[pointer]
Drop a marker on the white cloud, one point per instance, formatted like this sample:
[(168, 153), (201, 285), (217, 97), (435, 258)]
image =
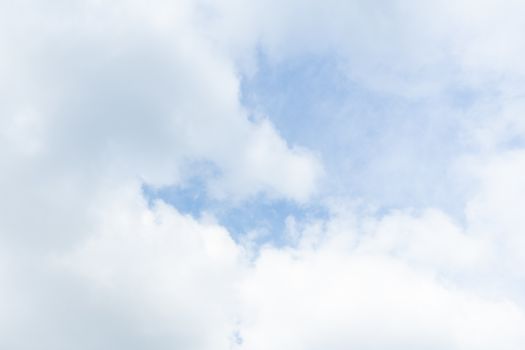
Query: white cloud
[(495, 211), (113, 87), (376, 283), (327, 299), (264, 153), (96, 96), (407, 48), (174, 277)]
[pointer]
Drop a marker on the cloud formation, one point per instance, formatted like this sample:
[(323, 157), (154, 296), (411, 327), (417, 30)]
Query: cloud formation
[(100, 99)]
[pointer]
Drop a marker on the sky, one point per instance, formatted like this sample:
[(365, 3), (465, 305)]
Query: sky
[(262, 175)]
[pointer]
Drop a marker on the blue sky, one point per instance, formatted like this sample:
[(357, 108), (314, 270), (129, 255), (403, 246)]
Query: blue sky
[(391, 150), (384, 149)]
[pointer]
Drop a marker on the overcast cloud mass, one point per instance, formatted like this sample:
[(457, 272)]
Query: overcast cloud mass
[(262, 175)]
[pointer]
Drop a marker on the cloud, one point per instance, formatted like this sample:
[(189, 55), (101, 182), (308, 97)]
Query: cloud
[(150, 275), (171, 276), (405, 48), (407, 278), (98, 99), (325, 299), (494, 211), (120, 93)]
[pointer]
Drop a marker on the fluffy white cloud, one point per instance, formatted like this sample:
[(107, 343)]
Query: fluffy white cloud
[(406, 280), (95, 96), (136, 90), (174, 278), (149, 275), (326, 299), (408, 48), (400, 281), (495, 212)]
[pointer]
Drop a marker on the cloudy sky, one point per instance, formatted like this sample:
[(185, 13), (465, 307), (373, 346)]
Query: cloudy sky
[(262, 175)]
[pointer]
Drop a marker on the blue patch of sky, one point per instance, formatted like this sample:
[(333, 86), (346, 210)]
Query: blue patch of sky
[(264, 215), (383, 148), (391, 150), (514, 142)]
